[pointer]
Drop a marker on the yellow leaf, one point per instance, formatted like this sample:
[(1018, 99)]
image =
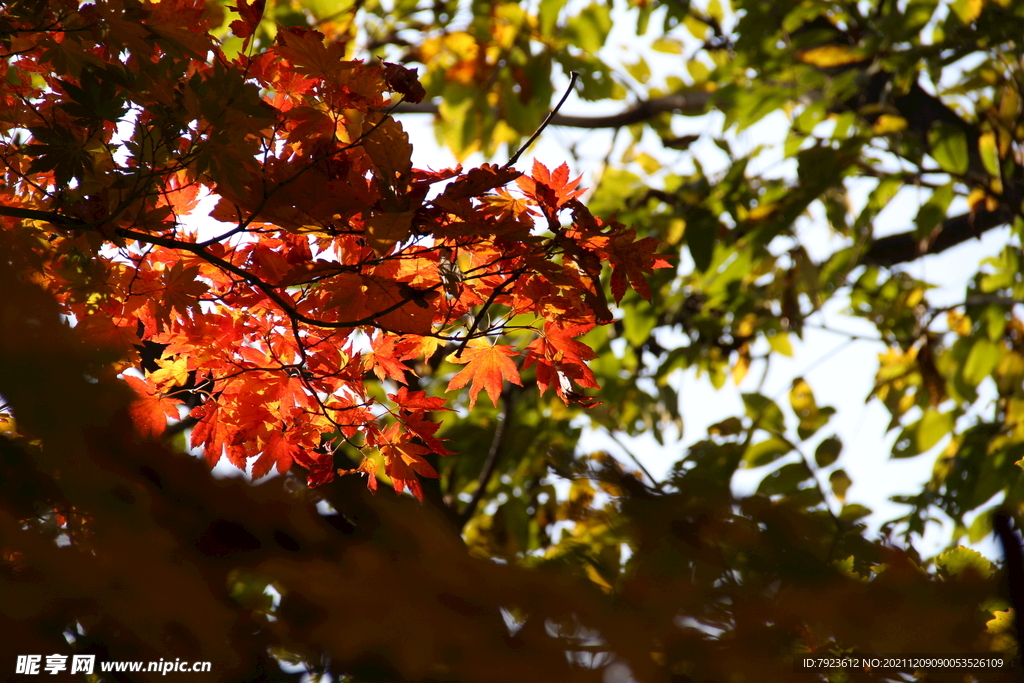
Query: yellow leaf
[(978, 198), (801, 398), (830, 55), (596, 577), (958, 323), (746, 326), (385, 230), (780, 344), (171, 373), (388, 146), (742, 366), (888, 123), (967, 10), (989, 155)]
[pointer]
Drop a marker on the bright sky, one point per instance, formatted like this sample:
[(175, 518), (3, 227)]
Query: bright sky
[(840, 372)]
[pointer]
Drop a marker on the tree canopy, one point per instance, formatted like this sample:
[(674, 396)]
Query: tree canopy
[(216, 249)]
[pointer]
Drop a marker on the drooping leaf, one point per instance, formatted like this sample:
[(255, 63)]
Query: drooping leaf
[(486, 367)]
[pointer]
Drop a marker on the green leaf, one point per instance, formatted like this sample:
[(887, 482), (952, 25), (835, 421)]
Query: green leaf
[(812, 418), (701, 227), (638, 324), (967, 10), (589, 29), (727, 427), (841, 483), (933, 211), (764, 412), (981, 527), (766, 452), (989, 153), (639, 70), (811, 116), (923, 434), (809, 427), (934, 426), (785, 480), (828, 451), (851, 512), (715, 10), (548, 15), (981, 361), (961, 562), (949, 147), (699, 71)]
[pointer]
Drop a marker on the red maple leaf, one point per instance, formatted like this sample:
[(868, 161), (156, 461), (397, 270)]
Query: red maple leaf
[(181, 293), (279, 450), (486, 366), (561, 360), (630, 259), (403, 80), (251, 17), (478, 181), (417, 401), (386, 360)]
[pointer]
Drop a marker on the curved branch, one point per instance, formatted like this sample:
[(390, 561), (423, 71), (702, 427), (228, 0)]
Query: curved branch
[(288, 307), (493, 453), (686, 102), (905, 247)]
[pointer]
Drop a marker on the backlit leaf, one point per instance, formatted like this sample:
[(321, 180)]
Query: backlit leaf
[(486, 367)]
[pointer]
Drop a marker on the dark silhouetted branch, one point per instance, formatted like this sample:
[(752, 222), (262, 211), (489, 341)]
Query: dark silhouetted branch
[(1014, 566), (688, 103), (904, 247), (493, 454)]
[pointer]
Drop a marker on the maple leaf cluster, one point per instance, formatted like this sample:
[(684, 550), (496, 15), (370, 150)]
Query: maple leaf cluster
[(326, 263)]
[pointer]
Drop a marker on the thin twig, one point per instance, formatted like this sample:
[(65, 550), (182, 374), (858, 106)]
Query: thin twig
[(573, 77), (487, 304), (493, 453), (657, 484)]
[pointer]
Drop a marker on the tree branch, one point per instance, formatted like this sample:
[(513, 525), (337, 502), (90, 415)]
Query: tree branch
[(686, 102), (904, 247), (71, 223), (1014, 567), (493, 453)]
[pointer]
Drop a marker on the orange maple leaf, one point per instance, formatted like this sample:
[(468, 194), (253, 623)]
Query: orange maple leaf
[(561, 360), (486, 366), (554, 189), (306, 51), (279, 450), (151, 411), (403, 460), (180, 293)]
